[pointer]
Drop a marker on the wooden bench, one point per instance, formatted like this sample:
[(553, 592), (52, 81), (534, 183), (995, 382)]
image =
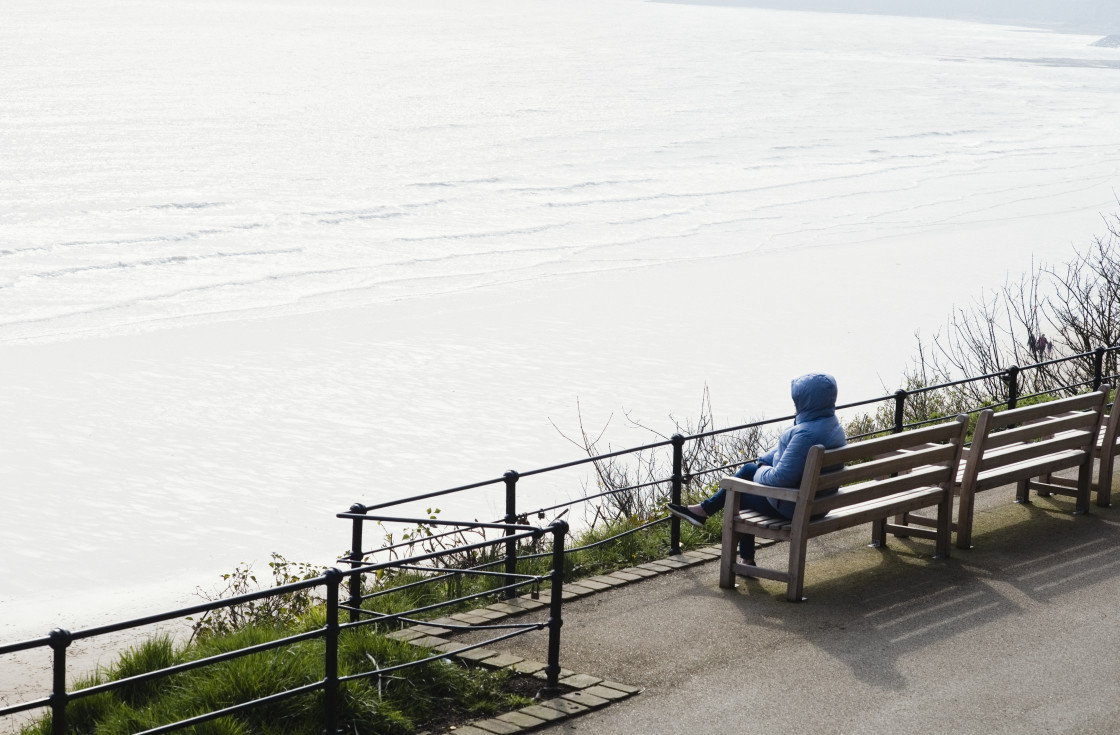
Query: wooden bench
[(877, 479), (1024, 446), (1105, 451)]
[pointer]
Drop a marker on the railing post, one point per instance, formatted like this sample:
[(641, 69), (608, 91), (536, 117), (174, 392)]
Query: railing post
[(60, 640), (899, 409), (678, 478), (1098, 368), (330, 664), (555, 620), (511, 518), (1012, 379), (355, 601)]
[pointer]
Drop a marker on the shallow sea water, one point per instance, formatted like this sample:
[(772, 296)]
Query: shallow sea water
[(261, 261)]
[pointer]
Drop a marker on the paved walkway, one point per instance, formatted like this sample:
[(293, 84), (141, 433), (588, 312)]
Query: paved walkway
[(1017, 635)]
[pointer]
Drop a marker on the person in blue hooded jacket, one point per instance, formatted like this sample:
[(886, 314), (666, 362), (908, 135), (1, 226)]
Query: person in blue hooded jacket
[(814, 397)]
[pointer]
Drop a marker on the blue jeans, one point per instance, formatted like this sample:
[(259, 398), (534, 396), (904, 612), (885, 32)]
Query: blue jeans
[(746, 502)]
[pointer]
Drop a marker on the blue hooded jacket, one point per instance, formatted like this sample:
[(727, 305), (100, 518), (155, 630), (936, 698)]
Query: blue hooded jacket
[(814, 397)]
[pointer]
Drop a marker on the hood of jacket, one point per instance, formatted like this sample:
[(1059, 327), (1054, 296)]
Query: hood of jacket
[(814, 396)]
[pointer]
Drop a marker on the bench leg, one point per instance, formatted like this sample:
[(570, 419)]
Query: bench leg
[(902, 520), (796, 585), (879, 533), (944, 527), (730, 549), (1047, 479), (727, 561), (1022, 492), (964, 520), (1084, 486), (1104, 483)]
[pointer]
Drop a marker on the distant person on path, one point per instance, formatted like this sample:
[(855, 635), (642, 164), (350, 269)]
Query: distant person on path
[(1032, 344), (1043, 346), (814, 397)]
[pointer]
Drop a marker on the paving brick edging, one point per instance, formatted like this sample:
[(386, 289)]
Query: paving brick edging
[(590, 692)]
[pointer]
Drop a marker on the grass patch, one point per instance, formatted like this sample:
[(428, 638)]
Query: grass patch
[(431, 695), (389, 704)]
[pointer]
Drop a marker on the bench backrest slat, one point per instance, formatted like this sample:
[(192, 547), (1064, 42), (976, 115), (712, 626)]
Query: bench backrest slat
[(1029, 414), (1072, 421), (1082, 441), (887, 444), (884, 487), (939, 454), (908, 451)]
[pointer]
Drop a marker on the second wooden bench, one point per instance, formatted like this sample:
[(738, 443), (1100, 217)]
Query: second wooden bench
[(1023, 447)]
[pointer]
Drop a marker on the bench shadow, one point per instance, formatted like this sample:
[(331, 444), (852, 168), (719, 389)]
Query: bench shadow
[(873, 609), (1044, 551)]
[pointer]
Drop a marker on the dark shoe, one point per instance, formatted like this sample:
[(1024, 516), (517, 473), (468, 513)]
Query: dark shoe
[(682, 512)]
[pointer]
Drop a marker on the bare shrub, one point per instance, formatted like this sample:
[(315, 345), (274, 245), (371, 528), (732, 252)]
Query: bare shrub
[(1047, 313), (639, 484)]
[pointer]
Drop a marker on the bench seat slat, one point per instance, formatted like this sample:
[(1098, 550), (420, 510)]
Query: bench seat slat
[(778, 530), (762, 519)]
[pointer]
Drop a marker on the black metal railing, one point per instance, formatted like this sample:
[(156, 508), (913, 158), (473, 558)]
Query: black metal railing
[(679, 478), (329, 583)]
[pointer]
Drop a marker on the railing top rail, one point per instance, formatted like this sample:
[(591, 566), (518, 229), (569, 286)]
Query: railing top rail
[(527, 473), (597, 457), (536, 532), (25, 645), (739, 427), (433, 494), (436, 522), (169, 615)]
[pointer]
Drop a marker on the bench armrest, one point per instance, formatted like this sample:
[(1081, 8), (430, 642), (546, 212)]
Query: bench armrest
[(738, 485)]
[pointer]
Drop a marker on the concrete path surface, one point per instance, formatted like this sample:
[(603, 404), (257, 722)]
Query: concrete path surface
[(1020, 634)]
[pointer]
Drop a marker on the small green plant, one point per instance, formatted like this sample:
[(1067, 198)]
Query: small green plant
[(268, 611)]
